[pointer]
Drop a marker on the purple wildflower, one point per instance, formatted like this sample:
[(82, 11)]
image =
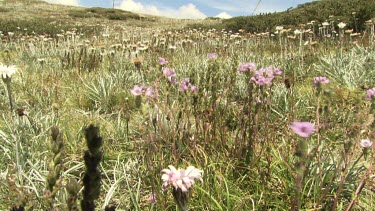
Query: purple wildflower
[(258, 79), (370, 94), (137, 90), (320, 80), (172, 79), (303, 129), (263, 77), (212, 55), (194, 88), (152, 198), (150, 92), (162, 61), (277, 71), (247, 66), (181, 179), (170, 74), (184, 84), (269, 72)]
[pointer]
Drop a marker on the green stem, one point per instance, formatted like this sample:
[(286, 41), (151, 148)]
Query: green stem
[(10, 96)]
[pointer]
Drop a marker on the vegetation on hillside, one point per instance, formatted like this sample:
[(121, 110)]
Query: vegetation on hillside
[(97, 12), (143, 118), (353, 12)]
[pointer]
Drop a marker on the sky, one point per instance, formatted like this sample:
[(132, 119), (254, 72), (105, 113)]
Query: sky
[(194, 9)]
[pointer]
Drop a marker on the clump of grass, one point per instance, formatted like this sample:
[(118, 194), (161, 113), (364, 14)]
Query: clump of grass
[(81, 14), (111, 14)]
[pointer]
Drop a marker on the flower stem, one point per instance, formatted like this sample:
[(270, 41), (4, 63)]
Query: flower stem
[(10, 96)]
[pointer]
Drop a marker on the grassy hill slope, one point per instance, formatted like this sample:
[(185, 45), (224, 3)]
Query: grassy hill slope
[(352, 12), (44, 18)]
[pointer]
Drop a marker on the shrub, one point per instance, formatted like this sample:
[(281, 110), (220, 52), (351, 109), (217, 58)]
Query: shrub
[(80, 14)]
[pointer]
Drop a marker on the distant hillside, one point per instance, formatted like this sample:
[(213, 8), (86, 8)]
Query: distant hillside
[(44, 18), (352, 12)]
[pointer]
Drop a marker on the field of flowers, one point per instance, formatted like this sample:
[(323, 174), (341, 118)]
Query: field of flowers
[(135, 118)]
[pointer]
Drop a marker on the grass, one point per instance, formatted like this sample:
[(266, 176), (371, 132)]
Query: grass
[(97, 12), (236, 131)]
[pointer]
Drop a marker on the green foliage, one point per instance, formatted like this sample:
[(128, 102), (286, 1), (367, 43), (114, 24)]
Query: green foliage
[(319, 11), (352, 69), (97, 12), (122, 16), (81, 14), (237, 132), (40, 26)]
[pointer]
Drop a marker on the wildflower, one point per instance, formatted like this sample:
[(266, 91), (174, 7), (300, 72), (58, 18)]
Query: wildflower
[(212, 55), (277, 71), (150, 92), (320, 80), (349, 31), (187, 178), (181, 179), (172, 47), (261, 80), (297, 32), (7, 71), (265, 76), (341, 25), (324, 24), (279, 28), (370, 94), (170, 74), (369, 22), (355, 34), (247, 66), (193, 88), (303, 129), (137, 90), (152, 198), (366, 143), (170, 177), (162, 61), (184, 84)]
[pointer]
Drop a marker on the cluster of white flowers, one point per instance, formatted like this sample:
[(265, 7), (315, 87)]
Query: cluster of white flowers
[(181, 179)]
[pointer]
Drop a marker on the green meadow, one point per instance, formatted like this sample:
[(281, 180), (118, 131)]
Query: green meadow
[(102, 109)]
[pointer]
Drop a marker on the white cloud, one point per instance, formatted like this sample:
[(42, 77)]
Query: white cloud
[(185, 11), (64, 2), (223, 15), (190, 11), (138, 7)]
